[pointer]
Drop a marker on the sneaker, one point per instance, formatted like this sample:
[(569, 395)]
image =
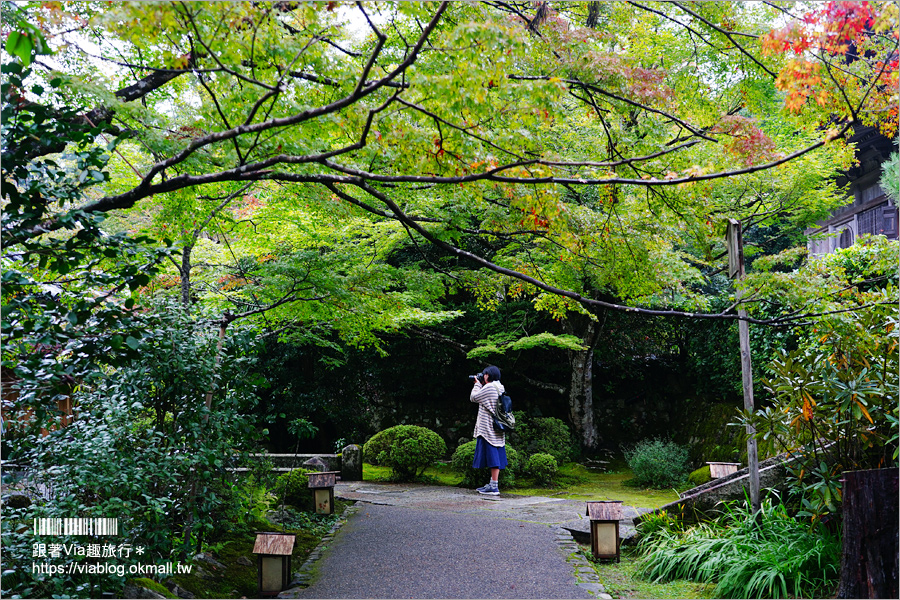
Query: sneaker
[(491, 489)]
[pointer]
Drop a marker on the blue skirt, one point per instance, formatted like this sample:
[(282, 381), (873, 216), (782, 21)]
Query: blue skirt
[(488, 456)]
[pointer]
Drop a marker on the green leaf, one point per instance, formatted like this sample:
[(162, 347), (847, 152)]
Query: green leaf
[(132, 342), (20, 45)]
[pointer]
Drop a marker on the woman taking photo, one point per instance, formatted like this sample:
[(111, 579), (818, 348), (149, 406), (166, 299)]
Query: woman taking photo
[(490, 445)]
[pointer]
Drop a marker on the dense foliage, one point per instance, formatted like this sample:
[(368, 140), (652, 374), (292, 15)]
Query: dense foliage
[(834, 398), (657, 463), (67, 297), (144, 447), (544, 435)]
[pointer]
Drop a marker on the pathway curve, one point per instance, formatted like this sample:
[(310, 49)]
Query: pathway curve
[(414, 541)]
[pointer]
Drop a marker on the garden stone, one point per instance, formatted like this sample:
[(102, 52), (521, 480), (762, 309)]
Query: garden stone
[(17, 500), (315, 464), (178, 590), (352, 463), (204, 574), (209, 560), (137, 591), (243, 560)]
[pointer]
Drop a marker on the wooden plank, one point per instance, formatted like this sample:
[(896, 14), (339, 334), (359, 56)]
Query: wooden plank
[(722, 469), (734, 240), (276, 544), (869, 558)]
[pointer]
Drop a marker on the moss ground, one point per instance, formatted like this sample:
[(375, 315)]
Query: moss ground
[(621, 580), (575, 482), (237, 580)]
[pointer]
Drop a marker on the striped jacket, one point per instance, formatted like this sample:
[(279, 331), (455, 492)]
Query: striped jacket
[(487, 397)]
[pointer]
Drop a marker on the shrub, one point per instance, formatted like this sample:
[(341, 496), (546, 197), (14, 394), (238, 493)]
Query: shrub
[(700, 476), (293, 488), (546, 435), (407, 449), (658, 463), (543, 467), (462, 463)]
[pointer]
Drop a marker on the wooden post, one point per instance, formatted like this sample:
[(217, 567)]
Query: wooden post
[(735, 242), (869, 558)]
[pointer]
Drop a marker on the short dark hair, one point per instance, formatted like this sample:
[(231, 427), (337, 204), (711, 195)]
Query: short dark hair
[(493, 372)]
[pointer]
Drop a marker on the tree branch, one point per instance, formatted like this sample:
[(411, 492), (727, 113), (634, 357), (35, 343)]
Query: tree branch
[(728, 34)]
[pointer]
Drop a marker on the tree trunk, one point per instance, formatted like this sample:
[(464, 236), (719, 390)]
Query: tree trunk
[(581, 397), (869, 561), (185, 272), (581, 384)]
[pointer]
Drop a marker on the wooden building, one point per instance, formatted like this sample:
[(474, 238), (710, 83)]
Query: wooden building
[(871, 211)]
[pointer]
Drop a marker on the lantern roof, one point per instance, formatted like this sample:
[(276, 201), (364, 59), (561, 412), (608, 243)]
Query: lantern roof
[(604, 510), (278, 544), (322, 480)]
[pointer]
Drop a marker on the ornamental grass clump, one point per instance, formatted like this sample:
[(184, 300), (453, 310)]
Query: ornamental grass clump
[(774, 556)]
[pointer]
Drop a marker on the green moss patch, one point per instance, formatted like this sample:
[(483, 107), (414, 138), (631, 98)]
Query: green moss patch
[(153, 586), (621, 580), (700, 476), (579, 483), (238, 580)]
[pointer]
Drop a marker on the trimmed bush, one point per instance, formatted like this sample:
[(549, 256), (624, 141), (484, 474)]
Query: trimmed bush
[(293, 488), (462, 463), (700, 476), (407, 449), (658, 463), (544, 435), (543, 467)]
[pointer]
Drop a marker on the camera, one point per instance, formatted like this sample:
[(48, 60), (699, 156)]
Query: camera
[(479, 377)]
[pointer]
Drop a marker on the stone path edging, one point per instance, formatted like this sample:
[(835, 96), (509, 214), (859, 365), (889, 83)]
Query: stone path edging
[(305, 574)]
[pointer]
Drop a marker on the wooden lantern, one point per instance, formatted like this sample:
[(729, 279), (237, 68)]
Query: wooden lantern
[(322, 484), (722, 469), (605, 516), (273, 564)]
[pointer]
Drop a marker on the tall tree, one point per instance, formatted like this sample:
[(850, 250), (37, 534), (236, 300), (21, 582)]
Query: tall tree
[(478, 126)]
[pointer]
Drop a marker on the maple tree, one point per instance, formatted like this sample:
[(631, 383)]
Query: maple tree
[(588, 154), (842, 56)]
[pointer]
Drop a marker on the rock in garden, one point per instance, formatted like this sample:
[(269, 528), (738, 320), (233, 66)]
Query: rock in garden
[(17, 500), (315, 464), (137, 591)]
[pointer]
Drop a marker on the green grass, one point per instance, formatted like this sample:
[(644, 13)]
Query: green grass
[(621, 580), (575, 483)]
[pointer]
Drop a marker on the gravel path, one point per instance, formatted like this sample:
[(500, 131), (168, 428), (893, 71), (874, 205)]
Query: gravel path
[(413, 541), (401, 552)]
